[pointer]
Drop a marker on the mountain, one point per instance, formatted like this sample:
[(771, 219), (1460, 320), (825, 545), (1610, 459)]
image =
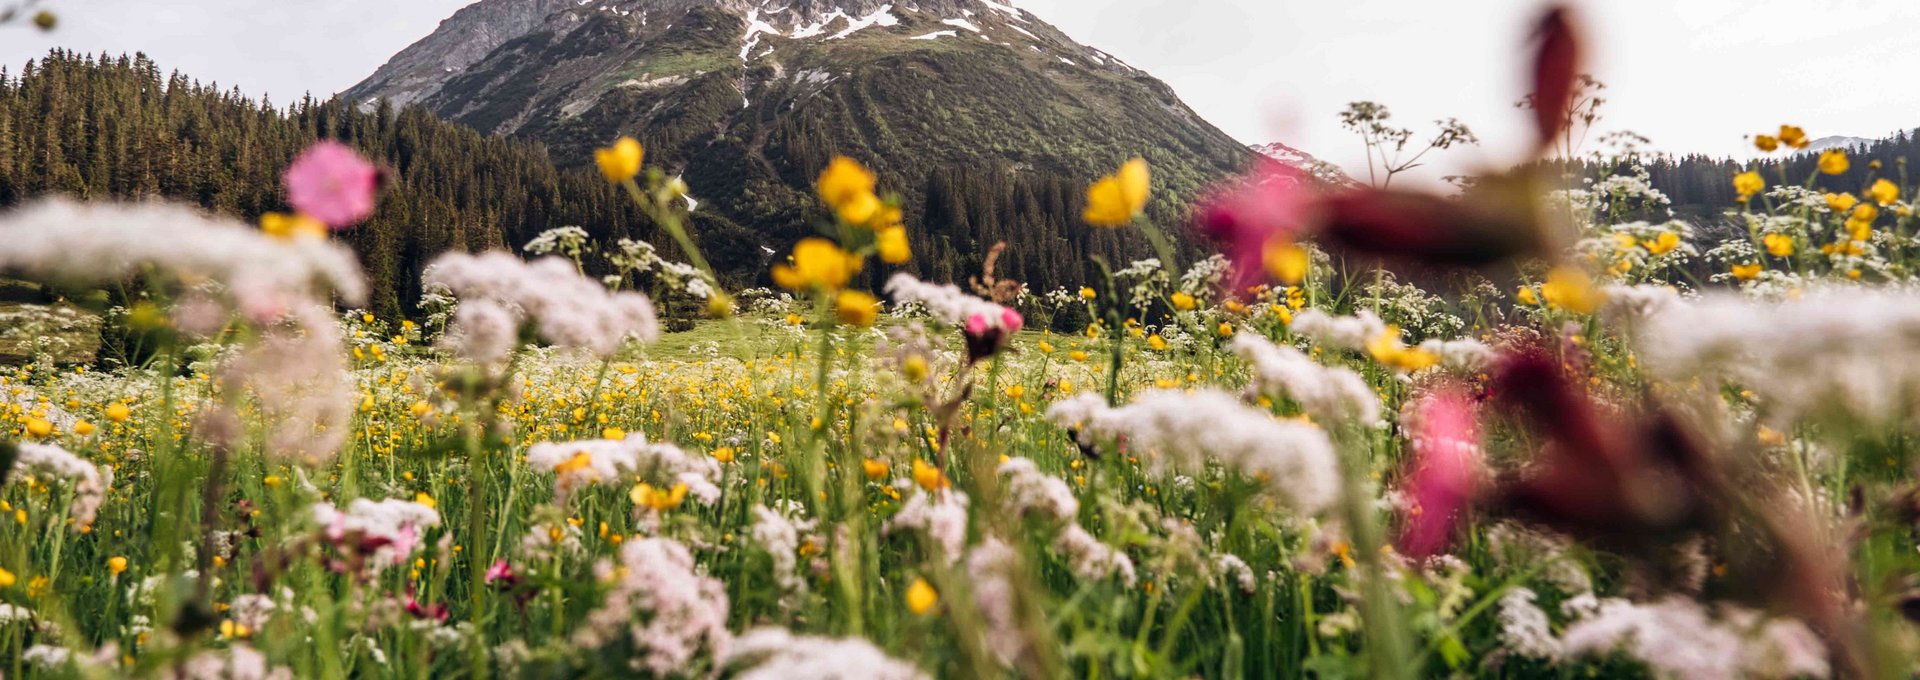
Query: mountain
[(1836, 142), (985, 119), (1323, 171)]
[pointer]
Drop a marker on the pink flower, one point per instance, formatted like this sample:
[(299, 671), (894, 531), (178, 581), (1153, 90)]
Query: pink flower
[(1011, 320), (977, 324), (501, 570), (1275, 202), (1447, 469), (332, 183)]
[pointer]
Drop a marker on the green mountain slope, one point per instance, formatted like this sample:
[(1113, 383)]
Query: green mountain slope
[(987, 120)]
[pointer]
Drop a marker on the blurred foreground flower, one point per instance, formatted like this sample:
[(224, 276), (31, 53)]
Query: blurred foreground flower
[(332, 183)]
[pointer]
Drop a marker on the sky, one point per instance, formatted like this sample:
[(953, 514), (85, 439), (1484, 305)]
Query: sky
[(1693, 75)]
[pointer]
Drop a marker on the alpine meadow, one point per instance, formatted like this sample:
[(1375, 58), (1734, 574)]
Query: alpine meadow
[(852, 339)]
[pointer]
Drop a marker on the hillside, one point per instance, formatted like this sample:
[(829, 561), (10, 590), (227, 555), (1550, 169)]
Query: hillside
[(987, 120)]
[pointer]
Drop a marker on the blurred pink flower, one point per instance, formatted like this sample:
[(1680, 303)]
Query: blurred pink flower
[(1445, 439), (1274, 202), (332, 183)]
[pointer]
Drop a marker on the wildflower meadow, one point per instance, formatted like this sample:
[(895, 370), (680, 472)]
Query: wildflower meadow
[(1537, 427)]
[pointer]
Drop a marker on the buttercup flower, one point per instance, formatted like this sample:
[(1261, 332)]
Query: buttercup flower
[(620, 162), (1116, 199), (817, 263), (1747, 184), (1834, 162)]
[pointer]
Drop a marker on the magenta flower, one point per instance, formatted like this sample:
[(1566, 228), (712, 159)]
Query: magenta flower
[(1275, 202), (332, 183), (1445, 437)]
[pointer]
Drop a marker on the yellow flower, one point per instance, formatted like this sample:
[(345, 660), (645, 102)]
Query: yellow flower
[(1286, 261), (856, 308), (7, 579), (1767, 143), (1884, 192), (1747, 184), (1841, 203), (1086, 293), (1625, 242), (915, 367), (116, 565), (847, 187), (1834, 162), (426, 499), (920, 597), (874, 469), (579, 461), (1571, 289), (817, 263), (1225, 330), (1746, 272), (928, 476), (645, 495), (719, 305), (1778, 245), (1157, 343), (118, 412), (1182, 301), (83, 428), (1387, 349), (723, 454), (1662, 244), (613, 433), (1526, 296), (284, 226), (39, 428), (1116, 199), (892, 244), (620, 162), (1793, 136)]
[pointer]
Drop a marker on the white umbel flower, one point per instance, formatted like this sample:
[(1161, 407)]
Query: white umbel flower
[(1328, 393), (1189, 431), (776, 654)]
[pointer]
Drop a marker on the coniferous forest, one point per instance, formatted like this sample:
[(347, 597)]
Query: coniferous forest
[(122, 128)]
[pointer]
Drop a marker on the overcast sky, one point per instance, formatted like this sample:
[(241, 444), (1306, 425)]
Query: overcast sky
[(1695, 75)]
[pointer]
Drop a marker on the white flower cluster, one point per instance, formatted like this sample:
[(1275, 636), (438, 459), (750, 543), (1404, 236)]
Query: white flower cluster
[(1342, 332), (668, 613), (1524, 628), (299, 383), (947, 303), (1677, 637), (567, 308), (567, 241), (1031, 492), (1630, 304), (1829, 352), (1089, 558), (239, 661), (1330, 394), (941, 515), (600, 461), (398, 522), (100, 242), (1295, 460), (90, 483), (989, 572), (1464, 355), (776, 654), (779, 533)]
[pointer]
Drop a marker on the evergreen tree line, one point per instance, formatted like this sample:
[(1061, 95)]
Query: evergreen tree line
[(119, 128)]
